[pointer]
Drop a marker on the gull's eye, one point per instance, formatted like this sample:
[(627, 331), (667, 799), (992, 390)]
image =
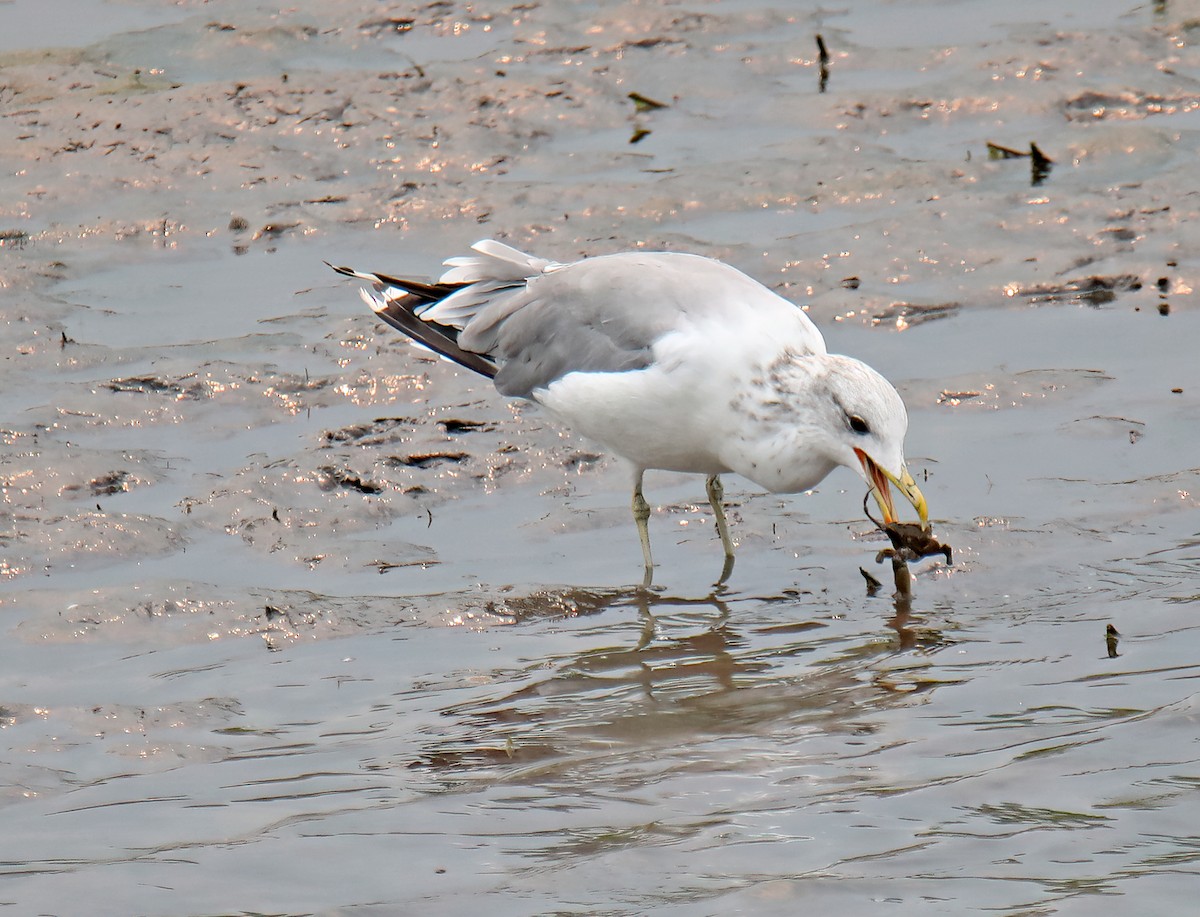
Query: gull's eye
[(858, 425)]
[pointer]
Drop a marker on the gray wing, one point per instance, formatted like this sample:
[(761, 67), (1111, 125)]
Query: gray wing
[(602, 314), (592, 316), (528, 321)]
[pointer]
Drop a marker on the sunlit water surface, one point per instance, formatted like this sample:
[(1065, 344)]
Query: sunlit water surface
[(299, 619)]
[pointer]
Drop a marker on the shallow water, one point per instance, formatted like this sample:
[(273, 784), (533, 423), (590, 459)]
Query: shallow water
[(299, 619)]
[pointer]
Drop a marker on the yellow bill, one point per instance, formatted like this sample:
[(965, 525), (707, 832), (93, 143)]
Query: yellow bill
[(880, 480)]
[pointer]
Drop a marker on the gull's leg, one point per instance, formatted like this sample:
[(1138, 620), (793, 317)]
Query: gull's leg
[(716, 496), (641, 515)]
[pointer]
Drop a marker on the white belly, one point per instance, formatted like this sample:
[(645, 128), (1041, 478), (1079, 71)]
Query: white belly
[(650, 417)]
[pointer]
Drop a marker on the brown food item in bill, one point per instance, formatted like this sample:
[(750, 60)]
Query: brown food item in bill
[(911, 542)]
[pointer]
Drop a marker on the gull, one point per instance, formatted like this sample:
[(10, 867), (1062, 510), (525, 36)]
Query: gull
[(672, 361)]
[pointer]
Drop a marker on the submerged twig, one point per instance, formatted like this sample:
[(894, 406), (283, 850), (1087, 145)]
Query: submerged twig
[(645, 103), (1039, 163), (822, 64), (873, 585)]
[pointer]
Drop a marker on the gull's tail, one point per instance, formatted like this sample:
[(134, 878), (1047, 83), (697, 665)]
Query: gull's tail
[(400, 303), (488, 285)]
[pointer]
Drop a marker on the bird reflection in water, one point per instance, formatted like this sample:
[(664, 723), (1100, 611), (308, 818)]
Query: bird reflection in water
[(691, 670)]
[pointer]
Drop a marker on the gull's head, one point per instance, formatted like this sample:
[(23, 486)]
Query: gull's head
[(867, 420), (808, 413)]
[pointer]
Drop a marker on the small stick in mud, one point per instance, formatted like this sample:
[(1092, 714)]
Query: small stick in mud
[(1111, 638), (823, 61), (1040, 163), (645, 103), (873, 585)]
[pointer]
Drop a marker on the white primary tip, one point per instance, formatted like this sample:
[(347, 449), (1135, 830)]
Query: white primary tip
[(372, 299)]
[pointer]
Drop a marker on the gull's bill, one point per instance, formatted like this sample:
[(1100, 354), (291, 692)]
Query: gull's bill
[(880, 478)]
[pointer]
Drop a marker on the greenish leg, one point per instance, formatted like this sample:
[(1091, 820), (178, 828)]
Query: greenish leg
[(716, 496), (641, 515)]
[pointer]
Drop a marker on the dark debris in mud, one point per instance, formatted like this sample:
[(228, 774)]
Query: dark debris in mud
[(1092, 291), (14, 238), (553, 603), (387, 25), (103, 485), (454, 427), (332, 478), (426, 459), (823, 65), (1039, 163), (381, 431), (1129, 105), (1112, 637), (873, 584), (387, 566), (180, 389), (910, 314), (582, 460)]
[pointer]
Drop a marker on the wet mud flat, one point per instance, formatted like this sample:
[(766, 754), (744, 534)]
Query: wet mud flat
[(288, 601)]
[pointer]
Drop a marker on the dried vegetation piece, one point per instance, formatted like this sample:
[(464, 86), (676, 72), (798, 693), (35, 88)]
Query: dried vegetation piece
[(1096, 290), (1040, 163), (645, 103)]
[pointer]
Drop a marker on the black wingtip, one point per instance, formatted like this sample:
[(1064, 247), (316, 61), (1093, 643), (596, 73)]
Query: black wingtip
[(440, 339), (400, 312), (427, 292)]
